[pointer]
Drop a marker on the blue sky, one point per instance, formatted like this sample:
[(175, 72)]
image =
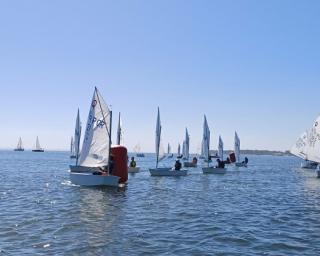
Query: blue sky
[(250, 66)]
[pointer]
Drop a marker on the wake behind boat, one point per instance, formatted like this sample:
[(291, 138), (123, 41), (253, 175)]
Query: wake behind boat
[(99, 163), (163, 171)]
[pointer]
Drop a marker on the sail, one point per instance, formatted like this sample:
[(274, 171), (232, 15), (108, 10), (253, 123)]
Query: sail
[(38, 147), (220, 148), (97, 139), (299, 149), (159, 149), (119, 131), (313, 145), (71, 147), (202, 149), (77, 136), (137, 148), (19, 146), (186, 145), (206, 139), (179, 150), (169, 149), (237, 147)]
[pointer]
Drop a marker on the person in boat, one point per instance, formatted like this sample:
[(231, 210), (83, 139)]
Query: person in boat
[(228, 161), (177, 165), (246, 160), (194, 160), (133, 163), (220, 164)]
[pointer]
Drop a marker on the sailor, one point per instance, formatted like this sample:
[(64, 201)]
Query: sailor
[(194, 160), (246, 160), (133, 163), (220, 163), (177, 165)]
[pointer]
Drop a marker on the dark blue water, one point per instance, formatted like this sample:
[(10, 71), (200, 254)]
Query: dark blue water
[(270, 208)]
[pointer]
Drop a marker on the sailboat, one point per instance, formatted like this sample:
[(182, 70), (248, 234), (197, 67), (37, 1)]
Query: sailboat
[(96, 167), (206, 142), (179, 152), (186, 152), (299, 149), (137, 150), (38, 147), (170, 155), (164, 171), (202, 156), (19, 146), (238, 162)]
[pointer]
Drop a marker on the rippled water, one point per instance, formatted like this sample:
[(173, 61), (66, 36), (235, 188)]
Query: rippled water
[(270, 208)]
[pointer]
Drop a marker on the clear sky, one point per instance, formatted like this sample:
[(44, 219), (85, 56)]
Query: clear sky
[(250, 66)]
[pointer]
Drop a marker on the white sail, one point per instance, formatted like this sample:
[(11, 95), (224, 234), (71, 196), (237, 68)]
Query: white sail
[(97, 138), (119, 131), (186, 146), (159, 149), (313, 145), (206, 139), (299, 149), (169, 149), (77, 137), (20, 146), (38, 147), (237, 147), (179, 150), (220, 148)]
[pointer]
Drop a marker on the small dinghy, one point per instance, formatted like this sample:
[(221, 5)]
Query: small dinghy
[(238, 162), (38, 148), (186, 152), (19, 146), (97, 167), (206, 151), (163, 171), (179, 156)]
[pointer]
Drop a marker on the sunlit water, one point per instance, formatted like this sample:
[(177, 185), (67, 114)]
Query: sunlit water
[(270, 208)]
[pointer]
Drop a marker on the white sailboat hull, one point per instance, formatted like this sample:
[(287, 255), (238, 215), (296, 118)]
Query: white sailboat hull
[(88, 179), (190, 164), (214, 170), (133, 169), (241, 165), (167, 171)]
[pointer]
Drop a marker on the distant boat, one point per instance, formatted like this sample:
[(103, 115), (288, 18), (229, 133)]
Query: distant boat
[(220, 148), (238, 162), (94, 161), (206, 150), (186, 152), (137, 150), (38, 148), (19, 146), (299, 149), (75, 142), (169, 154), (164, 171)]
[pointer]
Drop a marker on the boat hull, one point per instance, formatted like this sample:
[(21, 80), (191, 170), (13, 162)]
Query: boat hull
[(167, 172), (140, 155), (38, 150), (83, 169), (309, 165), (241, 164), (214, 170), (19, 149), (73, 157), (89, 179), (133, 169), (190, 164)]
